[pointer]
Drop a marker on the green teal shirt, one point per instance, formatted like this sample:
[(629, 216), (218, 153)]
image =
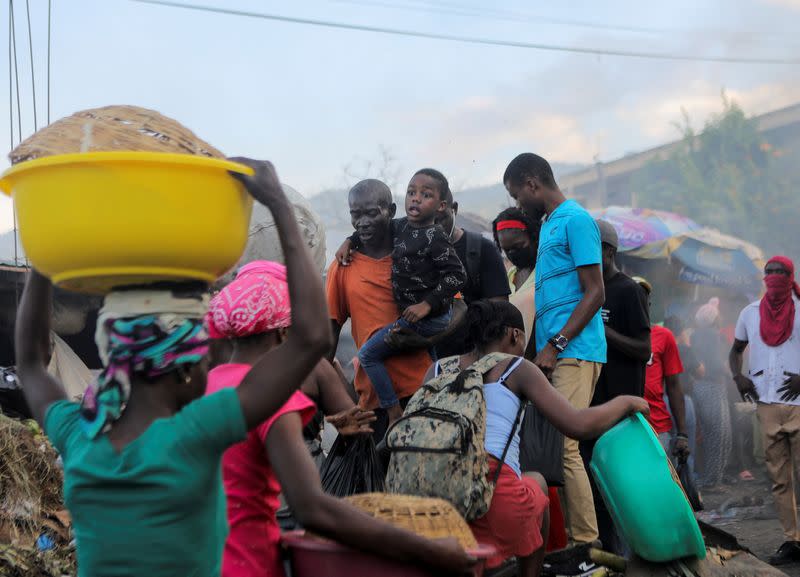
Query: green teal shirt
[(158, 506)]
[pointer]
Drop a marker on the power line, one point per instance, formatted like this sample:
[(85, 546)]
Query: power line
[(16, 65), (474, 40), (480, 12), (33, 75), (10, 79), (12, 49), (459, 9), (49, 13)]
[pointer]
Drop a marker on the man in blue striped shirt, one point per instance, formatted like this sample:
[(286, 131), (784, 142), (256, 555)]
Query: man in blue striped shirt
[(570, 339)]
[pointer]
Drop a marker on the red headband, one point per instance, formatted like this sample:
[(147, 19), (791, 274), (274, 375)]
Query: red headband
[(517, 224)]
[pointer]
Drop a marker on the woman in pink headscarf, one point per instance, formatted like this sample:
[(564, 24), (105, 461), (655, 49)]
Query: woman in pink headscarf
[(258, 303), (253, 313)]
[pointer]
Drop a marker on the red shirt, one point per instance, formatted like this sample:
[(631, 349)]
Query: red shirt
[(665, 361), (252, 547)]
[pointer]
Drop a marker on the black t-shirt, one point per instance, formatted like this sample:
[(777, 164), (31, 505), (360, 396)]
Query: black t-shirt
[(492, 282), (625, 311)]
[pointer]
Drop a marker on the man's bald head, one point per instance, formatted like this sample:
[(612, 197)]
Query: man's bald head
[(371, 212), (371, 190)]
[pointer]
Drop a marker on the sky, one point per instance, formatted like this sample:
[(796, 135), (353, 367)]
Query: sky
[(324, 104)]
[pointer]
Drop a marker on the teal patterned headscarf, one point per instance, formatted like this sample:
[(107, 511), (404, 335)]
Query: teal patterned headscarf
[(148, 333)]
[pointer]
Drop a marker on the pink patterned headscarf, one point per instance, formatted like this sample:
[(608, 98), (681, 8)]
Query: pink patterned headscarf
[(257, 301)]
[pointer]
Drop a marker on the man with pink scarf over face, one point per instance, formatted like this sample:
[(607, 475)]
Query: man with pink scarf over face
[(770, 328), (254, 312)]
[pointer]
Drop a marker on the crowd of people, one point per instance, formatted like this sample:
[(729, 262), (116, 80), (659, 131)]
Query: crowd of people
[(593, 339), (177, 457)]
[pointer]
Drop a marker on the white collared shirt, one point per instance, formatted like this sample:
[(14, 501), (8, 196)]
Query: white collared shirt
[(767, 364)]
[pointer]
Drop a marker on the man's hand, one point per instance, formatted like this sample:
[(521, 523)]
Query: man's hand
[(638, 405), (264, 185), (353, 421), (343, 253), (791, 387), (681, 448), (546, 360), (745, 386), (403, 339), (417, 312)]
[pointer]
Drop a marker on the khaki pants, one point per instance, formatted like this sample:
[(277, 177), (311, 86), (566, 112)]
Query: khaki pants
[(780, 426), (576, 379)]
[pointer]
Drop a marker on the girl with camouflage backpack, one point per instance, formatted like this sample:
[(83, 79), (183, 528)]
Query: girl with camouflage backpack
[(516, 522)]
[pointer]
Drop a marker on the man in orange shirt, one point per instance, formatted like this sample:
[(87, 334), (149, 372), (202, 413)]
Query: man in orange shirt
[(362, 292)]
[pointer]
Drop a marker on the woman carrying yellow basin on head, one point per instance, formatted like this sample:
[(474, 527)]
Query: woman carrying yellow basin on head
[(142, 453)]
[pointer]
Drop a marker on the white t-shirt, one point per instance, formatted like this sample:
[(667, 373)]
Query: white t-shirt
[(767, 364)]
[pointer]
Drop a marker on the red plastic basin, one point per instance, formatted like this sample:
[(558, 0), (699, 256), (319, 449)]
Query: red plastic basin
[(312, 557)]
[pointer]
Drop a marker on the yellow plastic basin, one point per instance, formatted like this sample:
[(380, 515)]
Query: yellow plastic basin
[(100, 220)]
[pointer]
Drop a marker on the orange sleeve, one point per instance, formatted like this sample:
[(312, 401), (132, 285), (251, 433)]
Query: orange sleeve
[(337, 304)]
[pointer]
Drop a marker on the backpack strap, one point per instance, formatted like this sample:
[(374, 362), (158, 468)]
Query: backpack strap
[(448, 365), (487, 362), (483, 365), (451, 366), (473, 264)]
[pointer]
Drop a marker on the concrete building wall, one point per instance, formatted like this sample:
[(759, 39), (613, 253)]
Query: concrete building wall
[(611, 183)]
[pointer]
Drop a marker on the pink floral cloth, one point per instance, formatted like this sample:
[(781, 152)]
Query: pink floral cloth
[(257, 301)]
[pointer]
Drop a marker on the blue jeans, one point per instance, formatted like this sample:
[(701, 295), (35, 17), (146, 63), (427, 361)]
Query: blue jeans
[(375, 351)]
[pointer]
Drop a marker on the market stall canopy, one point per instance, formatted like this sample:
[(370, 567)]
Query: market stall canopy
[(639, 227), (714, 259), (707, 256)]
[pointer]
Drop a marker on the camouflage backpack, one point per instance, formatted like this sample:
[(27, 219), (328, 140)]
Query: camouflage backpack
[(438, 444)]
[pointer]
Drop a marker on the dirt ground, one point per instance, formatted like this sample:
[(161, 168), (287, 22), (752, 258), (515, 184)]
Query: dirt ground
[(745, 510)]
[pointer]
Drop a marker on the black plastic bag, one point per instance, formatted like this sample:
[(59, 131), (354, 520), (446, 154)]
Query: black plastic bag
[(692, 493), (352, 467), (541, 447)]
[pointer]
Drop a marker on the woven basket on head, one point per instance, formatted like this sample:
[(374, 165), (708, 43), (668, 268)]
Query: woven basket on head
[(431, 518), (112, 128)]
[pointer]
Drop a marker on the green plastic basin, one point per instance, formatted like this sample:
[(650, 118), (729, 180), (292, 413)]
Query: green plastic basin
[(643, 494)]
